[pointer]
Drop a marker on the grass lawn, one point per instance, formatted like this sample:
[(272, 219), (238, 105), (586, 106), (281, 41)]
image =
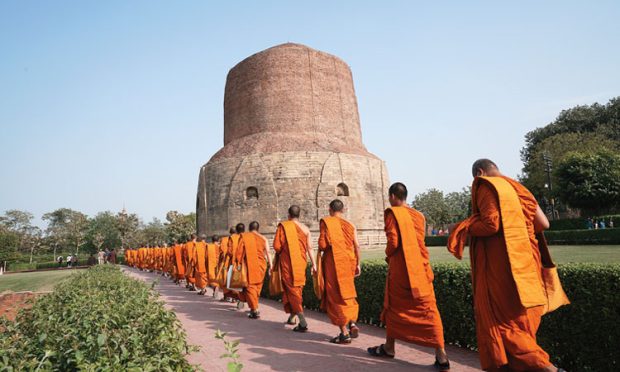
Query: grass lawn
[(34, 281), (559, 253)]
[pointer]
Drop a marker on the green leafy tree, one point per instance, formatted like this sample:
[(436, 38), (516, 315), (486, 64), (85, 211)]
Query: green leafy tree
[(459, 204), (20, 223), (179, 225), (433, 205), (66, 228), (581, 128), (590, 182), (154, 233), (102, 232), (128, 225), (9, 244)]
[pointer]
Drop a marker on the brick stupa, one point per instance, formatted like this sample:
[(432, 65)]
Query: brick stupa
[(292, 135)]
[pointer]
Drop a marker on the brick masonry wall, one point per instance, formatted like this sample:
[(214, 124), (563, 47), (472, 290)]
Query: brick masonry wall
[(308, 179)]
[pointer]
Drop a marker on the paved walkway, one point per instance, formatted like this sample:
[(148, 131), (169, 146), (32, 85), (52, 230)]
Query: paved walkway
[(268, 344)]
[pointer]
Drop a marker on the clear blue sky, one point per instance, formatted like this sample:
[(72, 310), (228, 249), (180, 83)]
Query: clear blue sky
[(105, 103)]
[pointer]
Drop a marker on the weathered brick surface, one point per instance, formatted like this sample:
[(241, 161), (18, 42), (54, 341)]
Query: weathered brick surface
[(291, 130)]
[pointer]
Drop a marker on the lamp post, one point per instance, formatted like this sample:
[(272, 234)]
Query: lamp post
[(548, 168)]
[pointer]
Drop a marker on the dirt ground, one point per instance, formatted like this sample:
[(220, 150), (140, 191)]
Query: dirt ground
[(11, 303)]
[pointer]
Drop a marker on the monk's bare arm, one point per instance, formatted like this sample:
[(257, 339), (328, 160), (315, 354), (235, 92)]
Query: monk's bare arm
[(487, 222), (358, 253), (323, 239), (541, 222), (310, 251), (267, 255), (391, 233)]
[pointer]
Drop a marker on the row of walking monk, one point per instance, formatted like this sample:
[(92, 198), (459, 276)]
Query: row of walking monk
[(508, 272)]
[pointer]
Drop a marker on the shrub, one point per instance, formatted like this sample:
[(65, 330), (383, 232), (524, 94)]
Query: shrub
[(98, 319), (581, 336), (583, 237)]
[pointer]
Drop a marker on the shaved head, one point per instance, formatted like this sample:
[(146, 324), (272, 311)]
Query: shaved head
[(483, 166), (294, 211), (336, 205), (254, 226), (240, 228), (399, 191)]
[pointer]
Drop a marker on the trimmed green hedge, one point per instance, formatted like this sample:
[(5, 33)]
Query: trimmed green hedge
[(436, 241), (96, 320), (583, 336), (583, 237), (564, 237), (581, 223)]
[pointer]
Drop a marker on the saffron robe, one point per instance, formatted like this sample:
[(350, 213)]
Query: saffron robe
[(252, 249), (506, 273), (291, 243), (337, 242), (410, 310)]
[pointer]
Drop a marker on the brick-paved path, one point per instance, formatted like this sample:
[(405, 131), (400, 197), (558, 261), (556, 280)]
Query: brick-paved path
[(268, 344)]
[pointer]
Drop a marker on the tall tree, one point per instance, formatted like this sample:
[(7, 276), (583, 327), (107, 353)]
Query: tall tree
[(128, 225), (68, 227), (154, 233), (591, 182), (581, 128), (180, 226), (433, 205), (103, 232)]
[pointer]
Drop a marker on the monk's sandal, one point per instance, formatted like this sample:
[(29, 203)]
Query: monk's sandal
[(379, 352), (254, 315), (354, 331), (300, 329), (442, 366), (341, 339)]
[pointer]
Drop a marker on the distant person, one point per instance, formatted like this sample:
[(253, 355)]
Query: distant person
[(91, 260), (112, 257), (595, 224), (611, 223), (602, 224), (59, 260), (589, 223), (69, 260), (100, 257), (74, 260), (106, 255)]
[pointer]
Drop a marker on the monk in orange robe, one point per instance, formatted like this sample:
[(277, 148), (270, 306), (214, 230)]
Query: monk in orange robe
[(200, 259), (508, 303), (179, 263), (213, 256), (190, 255), (253, 251), (142, 252), (292, 245), (410, 310), (231, 253), (224, 263), (341, 264)]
